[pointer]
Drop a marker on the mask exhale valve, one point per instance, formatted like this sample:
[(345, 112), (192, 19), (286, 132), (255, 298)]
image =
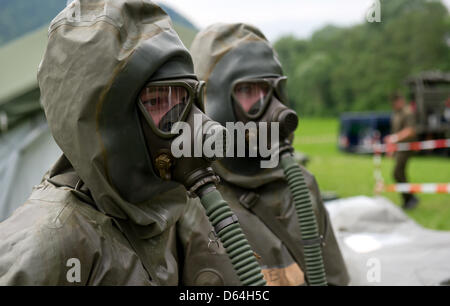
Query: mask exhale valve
[(312, 242)]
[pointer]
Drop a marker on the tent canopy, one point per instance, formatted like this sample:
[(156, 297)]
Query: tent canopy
[(27, 148)]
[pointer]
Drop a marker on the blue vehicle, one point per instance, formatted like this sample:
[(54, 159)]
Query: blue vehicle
[(429, 95), (359, 131)]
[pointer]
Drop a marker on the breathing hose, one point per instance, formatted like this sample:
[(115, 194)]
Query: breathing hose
[(315, 269), (230, 233)]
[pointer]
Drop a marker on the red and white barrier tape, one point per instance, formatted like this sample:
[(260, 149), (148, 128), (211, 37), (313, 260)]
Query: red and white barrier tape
[(418, 188), (406, 187), (377, 174), (412, 146)]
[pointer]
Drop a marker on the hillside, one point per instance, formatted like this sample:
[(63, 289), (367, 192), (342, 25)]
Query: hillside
[(18, 17)]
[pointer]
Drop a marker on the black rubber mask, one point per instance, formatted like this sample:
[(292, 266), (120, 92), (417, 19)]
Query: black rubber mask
[(227, 56), (163, 104), (258, 99)]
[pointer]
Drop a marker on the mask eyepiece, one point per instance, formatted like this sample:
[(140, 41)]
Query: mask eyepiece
[(252, 96), (165, 103)]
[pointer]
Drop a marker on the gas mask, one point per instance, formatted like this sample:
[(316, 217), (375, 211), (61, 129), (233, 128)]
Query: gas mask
[(262, 100), (165, 103)]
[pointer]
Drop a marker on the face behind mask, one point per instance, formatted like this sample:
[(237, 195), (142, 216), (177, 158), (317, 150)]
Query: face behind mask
[(258, 99)]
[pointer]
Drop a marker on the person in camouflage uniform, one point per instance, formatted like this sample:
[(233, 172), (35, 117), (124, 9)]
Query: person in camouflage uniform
[(403, 126)]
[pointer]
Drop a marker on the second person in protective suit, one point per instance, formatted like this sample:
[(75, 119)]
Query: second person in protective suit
[(245, 82), (114, 80)]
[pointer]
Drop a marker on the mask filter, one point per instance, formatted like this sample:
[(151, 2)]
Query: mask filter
[(286, 117)]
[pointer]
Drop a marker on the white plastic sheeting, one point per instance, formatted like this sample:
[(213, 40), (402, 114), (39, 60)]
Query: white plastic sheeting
[(383, 246)]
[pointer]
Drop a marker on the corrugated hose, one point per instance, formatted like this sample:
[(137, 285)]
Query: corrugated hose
[(315, 270), (233, 239)]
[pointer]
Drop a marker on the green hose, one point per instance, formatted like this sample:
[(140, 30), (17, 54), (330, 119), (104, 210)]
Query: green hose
[(315, 269), (233, 239)]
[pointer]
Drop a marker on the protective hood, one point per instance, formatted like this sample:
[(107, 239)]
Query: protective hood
[(223, 54), (100, 54)]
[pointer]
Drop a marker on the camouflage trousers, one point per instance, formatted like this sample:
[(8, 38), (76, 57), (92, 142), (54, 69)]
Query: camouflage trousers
[(401, 160)]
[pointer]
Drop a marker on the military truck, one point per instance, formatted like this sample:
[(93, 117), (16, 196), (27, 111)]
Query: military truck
[(429, 93)]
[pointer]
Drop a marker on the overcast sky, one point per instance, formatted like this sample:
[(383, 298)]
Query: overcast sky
[(276, 17)]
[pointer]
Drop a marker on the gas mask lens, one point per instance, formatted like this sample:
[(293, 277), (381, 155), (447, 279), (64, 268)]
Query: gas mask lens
[(165, 104), (251, 95)]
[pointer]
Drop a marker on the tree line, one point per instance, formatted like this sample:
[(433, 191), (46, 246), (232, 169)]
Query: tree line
[(358, 68)]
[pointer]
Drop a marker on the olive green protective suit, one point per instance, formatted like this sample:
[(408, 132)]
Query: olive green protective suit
[(222, 54), (101, 203)]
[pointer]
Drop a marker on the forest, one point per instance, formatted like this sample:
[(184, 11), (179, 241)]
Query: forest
[(357, 68)]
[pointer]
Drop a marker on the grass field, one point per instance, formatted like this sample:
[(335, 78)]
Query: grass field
[(350, 175)]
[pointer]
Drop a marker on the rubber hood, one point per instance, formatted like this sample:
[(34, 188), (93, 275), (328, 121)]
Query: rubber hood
[(99, 56)]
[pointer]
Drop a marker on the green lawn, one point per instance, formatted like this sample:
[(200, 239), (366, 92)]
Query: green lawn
[(351, 175)]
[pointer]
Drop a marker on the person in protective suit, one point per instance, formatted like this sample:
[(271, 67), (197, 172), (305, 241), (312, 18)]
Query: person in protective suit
[(114, 79), (244, 79)]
